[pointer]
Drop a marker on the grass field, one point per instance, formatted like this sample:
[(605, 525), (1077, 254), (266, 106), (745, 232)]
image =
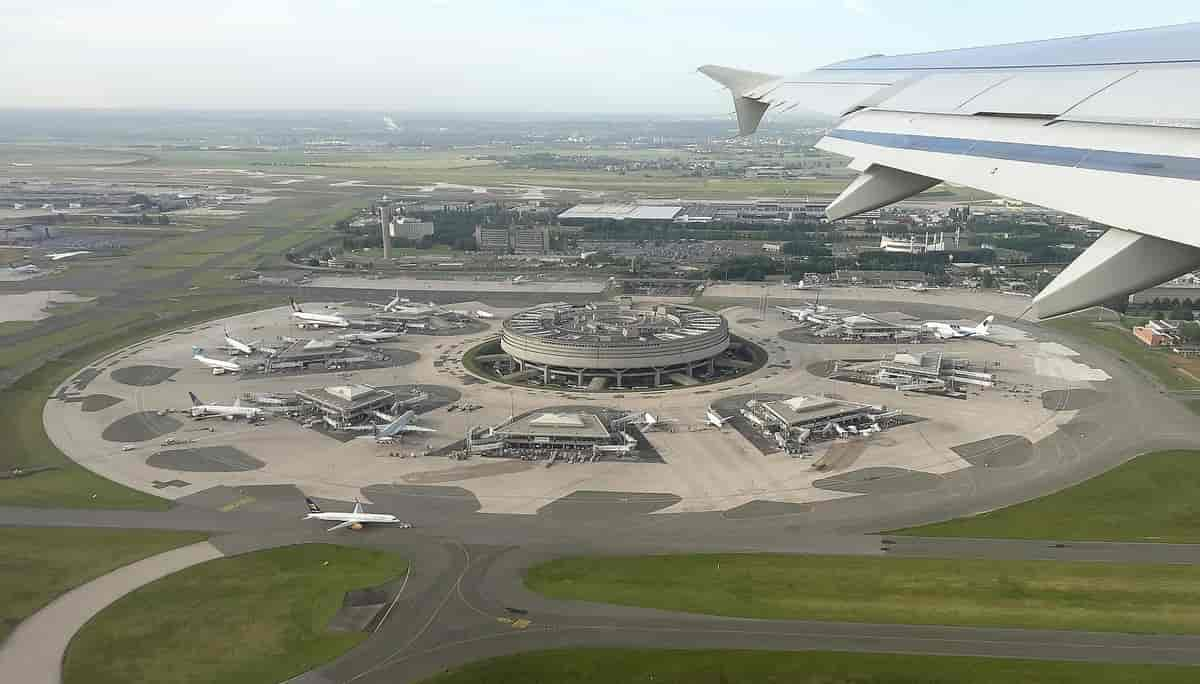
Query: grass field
[(1149, 499), (26, 443), (39, 564), (984, 593), (1158, 363), (260, 617), (627, 666)]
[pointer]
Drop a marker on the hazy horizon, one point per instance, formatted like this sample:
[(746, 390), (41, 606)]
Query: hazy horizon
[(484, 58)]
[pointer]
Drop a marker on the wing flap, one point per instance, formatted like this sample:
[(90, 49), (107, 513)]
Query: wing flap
[(340, 526)]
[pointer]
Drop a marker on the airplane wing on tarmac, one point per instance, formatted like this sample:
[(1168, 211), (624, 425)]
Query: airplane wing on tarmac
[(1104, 126)]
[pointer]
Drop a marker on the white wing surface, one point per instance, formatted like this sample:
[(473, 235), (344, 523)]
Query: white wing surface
[(1104, 126)]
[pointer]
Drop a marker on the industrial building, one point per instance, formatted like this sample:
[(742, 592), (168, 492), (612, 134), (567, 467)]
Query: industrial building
[(343, 406), (410, 229), (928, 371), (619, 212), (517, 239), (325, 354), (624, 344)]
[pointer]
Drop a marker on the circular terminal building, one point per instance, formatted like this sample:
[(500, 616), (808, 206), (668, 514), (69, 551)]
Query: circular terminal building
[(615, 345)]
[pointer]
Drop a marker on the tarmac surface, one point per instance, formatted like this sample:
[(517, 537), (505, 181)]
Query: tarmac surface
[(140, 427), (143, 376), (214, 459), (465, 598)]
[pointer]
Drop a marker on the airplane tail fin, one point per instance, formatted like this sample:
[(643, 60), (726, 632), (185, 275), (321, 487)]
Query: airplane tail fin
[(296, 307), (987, 322), (196, 350), (195, 400), (312, 505)]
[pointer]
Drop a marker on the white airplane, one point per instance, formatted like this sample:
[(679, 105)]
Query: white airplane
[(66, 255), (480, 313), (236, 345), (801, 285), (919, 287), (949, 331), (517, 280), (1100, 126), (396, 300), (201, 410), (370, 337), (355, 519), (27, 268), (315, 320), (218, 366), (804, 314), (714, 419), (401, 425)]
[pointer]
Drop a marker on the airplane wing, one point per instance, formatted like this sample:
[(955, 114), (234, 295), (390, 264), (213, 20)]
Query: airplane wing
[(1104, 126), (417, 428), (340, 525)]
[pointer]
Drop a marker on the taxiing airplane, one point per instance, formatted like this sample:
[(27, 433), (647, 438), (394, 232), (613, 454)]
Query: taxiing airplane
[(59, 256), (1100, 126), (315, 320), (949, 331), (355, 519), (201, 410), (396, 300), (218, 366), (517, 280)]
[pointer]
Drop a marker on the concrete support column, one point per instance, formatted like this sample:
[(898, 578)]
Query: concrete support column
[(657, 377), (712, 365), (620, 377), (579, 374), (546, 375)]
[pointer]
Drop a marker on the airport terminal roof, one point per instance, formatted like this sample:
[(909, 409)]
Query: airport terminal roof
[(622, 212), (557, 424), (805, 409), (346, 397)]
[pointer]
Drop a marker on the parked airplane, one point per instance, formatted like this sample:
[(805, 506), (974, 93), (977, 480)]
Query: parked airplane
[(402, 424), (714, 419), (919, 287), (315, 320), (28, 268), (201, 410), (949, 331), (480, 313), (804, 314), (355, 519), (370, 337), (396, 300), (218, 366), (235, 346), (1097, 126), (517, 280)]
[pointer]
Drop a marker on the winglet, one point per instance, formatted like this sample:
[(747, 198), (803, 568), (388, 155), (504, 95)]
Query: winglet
[(748, 88)]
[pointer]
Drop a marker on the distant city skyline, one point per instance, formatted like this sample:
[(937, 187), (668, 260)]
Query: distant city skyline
[(477, 56)]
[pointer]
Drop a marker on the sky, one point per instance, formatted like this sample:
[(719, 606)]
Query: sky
[(562, 56)]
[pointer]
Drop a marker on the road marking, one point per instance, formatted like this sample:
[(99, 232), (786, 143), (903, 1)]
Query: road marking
[(236, 504)]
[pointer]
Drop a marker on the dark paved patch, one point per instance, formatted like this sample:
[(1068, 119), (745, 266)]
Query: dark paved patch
[(880, 480), (98, 402), (359, 609), (212, 459), (163, 484), (766, 509), (1001, 451), (143, 376), (400, 357), (592, 505), (1071, 399), (747, 321), (84, 377), (139, 427), (439, 501)]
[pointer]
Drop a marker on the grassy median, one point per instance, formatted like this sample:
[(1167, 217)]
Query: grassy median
[(627, 666), (1112, 597), (1149, 499), (39, 564), (259, 617)]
